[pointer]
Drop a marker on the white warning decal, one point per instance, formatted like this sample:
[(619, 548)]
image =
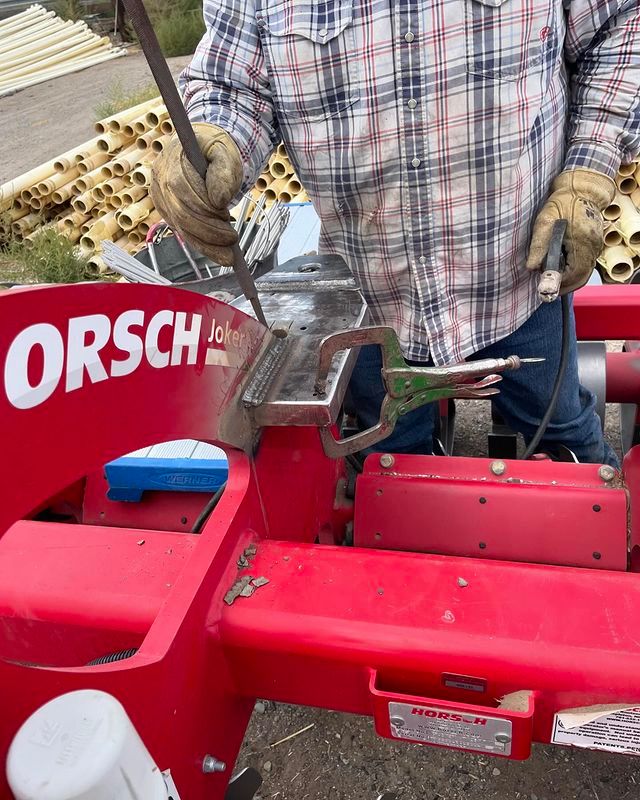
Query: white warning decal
[(433, 725), (612, 728)]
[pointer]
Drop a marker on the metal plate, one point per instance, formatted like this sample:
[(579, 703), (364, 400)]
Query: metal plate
[(543, 512), (316, 295), (442, 726)]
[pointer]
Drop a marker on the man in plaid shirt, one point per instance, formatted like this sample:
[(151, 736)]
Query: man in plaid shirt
[(439, 141)]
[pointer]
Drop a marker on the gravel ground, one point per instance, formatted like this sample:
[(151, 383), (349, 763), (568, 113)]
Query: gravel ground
[(340, 757)]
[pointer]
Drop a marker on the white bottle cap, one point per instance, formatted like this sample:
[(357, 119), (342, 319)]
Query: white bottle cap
[(82, 746)]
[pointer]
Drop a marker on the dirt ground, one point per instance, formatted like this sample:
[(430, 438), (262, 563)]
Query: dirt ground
[(340, 757), (44, 121)]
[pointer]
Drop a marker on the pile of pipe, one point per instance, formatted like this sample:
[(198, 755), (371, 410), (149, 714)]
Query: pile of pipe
[(37, 45), (619, 261), (98, 190), (279, 181)]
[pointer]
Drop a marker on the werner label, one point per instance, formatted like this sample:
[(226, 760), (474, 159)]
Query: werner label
[(614, 729), (450, 728), (94, 348)]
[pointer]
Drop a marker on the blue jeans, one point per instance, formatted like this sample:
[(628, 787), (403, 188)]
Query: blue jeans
[(524, 394)]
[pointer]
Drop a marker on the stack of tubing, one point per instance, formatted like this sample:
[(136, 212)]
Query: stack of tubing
[(37, 45), (99, 189), (619, 261)]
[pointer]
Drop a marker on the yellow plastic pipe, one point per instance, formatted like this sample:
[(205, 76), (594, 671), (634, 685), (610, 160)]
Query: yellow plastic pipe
[(131, 216), (617, 263), (629, 221)]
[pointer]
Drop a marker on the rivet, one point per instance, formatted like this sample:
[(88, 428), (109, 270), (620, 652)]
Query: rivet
[(483, 545), (597, 555), (387, 460), (377, 536), (596, 507), (483, 500), (498, 467)]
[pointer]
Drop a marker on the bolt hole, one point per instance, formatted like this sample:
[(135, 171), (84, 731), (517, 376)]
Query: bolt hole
[(483, 545), (183, 520), (597, 556), (379, 492), (596, 507), (483, 500), (378, 536), (102, 515)]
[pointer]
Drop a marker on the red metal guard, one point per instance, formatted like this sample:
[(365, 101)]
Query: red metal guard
[(349, 628)]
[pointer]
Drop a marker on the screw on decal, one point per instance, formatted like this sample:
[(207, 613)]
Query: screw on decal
[(397, 722), (503, 738)]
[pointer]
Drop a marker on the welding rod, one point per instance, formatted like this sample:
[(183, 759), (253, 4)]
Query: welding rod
[(160, 71)]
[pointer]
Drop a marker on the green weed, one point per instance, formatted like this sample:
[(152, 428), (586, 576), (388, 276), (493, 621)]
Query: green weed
[(118, 98), (49, 257)]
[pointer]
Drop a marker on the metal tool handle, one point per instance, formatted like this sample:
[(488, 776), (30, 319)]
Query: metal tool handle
[(160, 71), (554, 264)]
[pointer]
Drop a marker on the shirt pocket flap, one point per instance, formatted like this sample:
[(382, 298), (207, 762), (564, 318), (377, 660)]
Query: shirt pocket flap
[(320, 22)]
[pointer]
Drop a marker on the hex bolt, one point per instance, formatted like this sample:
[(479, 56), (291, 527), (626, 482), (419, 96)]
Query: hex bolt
[(502, 738), (387, 460), (498, 467), (212, 764), (607, 473)]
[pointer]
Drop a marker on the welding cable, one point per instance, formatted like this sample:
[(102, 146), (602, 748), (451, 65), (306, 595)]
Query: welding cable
[(562, 368), (203, 516)]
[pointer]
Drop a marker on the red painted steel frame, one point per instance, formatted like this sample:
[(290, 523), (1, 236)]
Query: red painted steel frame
[(345, 628)]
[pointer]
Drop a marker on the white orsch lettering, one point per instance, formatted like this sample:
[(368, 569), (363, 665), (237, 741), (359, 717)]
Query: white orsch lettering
[(20, 392), (183, 337), (127, 342), (83, 354), (156, 357)]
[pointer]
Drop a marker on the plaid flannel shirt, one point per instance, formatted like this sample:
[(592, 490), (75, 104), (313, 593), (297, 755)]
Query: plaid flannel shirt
[(427, 134)]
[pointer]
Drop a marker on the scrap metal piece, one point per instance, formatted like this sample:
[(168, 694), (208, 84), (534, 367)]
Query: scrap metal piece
[(236, 590), (261, 581)]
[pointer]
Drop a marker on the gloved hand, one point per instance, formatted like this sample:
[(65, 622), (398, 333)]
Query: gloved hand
[(579, 196), (199, 209)]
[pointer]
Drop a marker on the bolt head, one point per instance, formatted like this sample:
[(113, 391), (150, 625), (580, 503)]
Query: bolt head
[(387, 460), (211, 764), (503, 738), (607, 473), (498, 467)]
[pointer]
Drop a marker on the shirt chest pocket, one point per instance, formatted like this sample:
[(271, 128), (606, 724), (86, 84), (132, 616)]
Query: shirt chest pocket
[(310, 51), (507, 38)]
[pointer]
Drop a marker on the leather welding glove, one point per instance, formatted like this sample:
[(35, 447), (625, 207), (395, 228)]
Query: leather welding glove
[(198, 208), (579, 196)]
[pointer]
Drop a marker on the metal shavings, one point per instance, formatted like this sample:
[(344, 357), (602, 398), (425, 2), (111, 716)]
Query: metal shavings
[(236, 590), (245, 586), (249, 552)]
